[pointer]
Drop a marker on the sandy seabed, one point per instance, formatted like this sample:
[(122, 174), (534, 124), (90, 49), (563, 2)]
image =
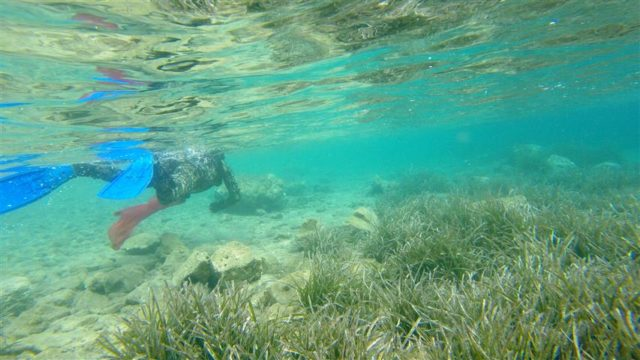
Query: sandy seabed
[(51, 251)]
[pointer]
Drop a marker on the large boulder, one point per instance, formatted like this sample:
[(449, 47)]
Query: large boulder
[(236, 262)]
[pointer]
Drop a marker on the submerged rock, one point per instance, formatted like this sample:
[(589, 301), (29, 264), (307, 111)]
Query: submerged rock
[(236, 262), (74, 280), (173, 251), (15, 295), (197, 269), (62, 297), (94, 303), (260, 195), (37, 319), (170, 243), (279, 297), (141, 244), (71, 337), (231, 262), (517, 204), (296, 188), (381, 186), (309, 228), (18, 348), (364, 219), (560, 165), (529, 157), (283, 291), (142, 293), (123, 279), (174, 261), (607, 167)]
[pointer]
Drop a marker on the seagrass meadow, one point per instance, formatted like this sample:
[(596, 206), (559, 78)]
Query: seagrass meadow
[(319, 180), (474, 272)]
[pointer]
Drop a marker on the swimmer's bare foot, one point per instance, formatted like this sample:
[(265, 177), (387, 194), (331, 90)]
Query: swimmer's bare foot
[(129, 218)]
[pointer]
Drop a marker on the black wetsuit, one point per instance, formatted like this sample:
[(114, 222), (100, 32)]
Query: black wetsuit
[(176, 175)]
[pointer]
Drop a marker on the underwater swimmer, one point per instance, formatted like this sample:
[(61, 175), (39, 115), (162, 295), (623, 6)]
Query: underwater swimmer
[(176, 175)]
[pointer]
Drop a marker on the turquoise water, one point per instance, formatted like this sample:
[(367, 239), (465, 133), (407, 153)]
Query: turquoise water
[(326, 96), (241, 76)]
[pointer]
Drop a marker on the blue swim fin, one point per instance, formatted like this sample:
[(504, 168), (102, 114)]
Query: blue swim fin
[(30, 184), (132, 180)]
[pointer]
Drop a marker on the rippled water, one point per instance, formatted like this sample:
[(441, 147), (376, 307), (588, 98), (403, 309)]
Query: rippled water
[(241, 74), (327, 110)]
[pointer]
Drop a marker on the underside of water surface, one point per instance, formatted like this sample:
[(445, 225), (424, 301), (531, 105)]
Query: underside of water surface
[(418, 179)]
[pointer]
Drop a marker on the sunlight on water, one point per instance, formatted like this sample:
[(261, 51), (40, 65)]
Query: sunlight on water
[(401, 179), (246, 74)]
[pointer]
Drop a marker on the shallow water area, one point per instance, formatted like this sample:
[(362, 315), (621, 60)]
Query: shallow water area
[(62, 313), (456, 178)]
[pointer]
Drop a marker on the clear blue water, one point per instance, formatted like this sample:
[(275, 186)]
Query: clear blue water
[(325, 92)]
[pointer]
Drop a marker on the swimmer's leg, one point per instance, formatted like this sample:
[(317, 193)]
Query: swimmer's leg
[(129, 218)]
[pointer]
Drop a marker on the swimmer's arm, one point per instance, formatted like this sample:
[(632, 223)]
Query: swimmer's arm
[(232, 188)]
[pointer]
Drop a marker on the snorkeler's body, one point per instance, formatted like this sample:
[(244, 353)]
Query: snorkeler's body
[(176, 175)]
